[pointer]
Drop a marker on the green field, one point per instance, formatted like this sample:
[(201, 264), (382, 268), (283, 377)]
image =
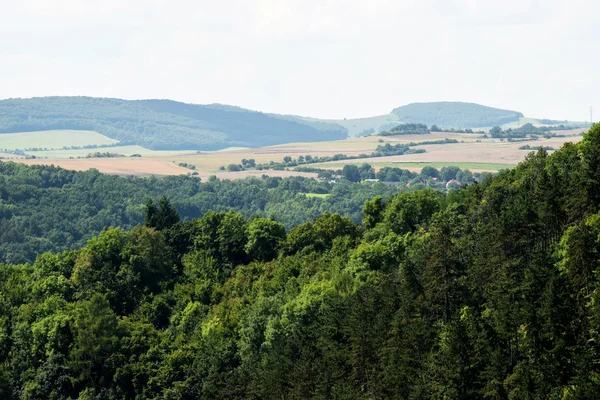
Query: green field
[(319, 195), (125, 150), (52, 139), (465, 165)]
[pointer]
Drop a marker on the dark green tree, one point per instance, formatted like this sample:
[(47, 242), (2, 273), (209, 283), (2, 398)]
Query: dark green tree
[(351, 173), (264, 239)]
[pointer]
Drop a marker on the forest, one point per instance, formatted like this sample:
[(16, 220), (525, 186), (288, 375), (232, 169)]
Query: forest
[(46, 208), (490, 291)]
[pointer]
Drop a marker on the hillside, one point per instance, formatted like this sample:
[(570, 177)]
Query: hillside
[(456, 115), (160, 124), (491, 291)]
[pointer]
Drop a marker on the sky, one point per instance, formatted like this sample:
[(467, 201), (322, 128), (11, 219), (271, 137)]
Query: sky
[(325, 59)]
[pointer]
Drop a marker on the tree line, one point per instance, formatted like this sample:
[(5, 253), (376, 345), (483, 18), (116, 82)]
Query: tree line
[(46, 208)]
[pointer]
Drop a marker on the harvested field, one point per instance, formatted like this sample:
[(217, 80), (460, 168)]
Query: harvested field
[(418, 166), (116, 166), (257, 174), (488, 152), (472, 152), (211, 162), (151, 167)]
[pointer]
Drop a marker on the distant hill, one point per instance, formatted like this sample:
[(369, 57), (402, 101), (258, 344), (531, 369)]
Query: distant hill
[(162, 124), (172, 125), (455, 115)]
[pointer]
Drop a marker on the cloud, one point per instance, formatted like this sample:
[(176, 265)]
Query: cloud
[(328, 58), (76, 8)]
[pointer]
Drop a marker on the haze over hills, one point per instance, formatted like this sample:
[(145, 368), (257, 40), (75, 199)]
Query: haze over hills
[(455, 115), (158, 124), (172, 125)]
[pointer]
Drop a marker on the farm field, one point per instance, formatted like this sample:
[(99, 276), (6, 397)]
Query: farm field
[(211, 162), (472, 152), (147, 166), (115, 166), (486, 155), (124, 150), (53, 139), (318, 195), (417, 166)]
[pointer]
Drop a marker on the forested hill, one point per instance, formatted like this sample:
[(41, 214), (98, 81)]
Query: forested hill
[(46, 208), (488, 292), (455, 115), (161, 124)]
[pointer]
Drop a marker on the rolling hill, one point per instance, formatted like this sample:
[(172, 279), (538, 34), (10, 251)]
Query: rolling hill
[(172, 125), (455, 115), (160, 124)]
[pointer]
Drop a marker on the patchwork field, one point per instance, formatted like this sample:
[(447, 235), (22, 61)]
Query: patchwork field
[(473, 152)]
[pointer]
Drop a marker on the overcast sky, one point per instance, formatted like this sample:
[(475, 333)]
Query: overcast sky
[(330, 58)]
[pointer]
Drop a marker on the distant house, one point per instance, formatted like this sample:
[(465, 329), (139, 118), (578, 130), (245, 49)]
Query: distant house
[(452, 181), (370, 180)]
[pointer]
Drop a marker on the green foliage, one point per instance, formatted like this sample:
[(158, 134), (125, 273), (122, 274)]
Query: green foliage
[(265, 237), (405, 212), (162, 217), (351, 173), (527, 129), (449, 173), (406, 129), (430, 172), (489, 291), (44, 208)]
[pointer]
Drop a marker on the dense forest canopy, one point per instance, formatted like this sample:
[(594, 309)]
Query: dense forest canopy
[(45, 208), (161, 124), (491, 291), (455, 115)]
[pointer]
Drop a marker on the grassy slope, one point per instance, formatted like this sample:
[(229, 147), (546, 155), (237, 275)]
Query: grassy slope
[(54, 139)]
